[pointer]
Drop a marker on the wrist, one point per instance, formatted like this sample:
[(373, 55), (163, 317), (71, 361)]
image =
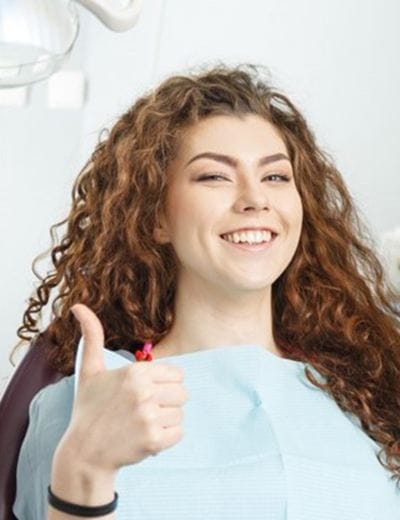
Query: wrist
[(74, 480), (72, 452)]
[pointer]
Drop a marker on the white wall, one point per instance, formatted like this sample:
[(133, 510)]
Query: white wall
[(337, 60)]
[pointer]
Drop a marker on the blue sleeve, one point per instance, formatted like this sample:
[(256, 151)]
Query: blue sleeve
[(49, 415)]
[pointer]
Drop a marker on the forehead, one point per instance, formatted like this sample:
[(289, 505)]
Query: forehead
[(230, 134)]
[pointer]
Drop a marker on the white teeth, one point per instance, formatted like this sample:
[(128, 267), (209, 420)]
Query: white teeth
[(252, 237)]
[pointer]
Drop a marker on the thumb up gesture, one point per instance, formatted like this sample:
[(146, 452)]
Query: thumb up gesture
[(122, 416)]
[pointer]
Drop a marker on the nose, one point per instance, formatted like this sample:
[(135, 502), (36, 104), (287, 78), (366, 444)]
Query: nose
[(251, 196)]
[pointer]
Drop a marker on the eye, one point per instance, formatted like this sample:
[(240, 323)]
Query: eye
[(284, 178), (206, 177)]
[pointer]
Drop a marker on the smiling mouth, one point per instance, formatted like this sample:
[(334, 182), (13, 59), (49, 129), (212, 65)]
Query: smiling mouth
[(247, 246)]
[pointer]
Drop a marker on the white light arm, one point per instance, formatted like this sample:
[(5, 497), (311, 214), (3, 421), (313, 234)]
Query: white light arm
[(117, 19)]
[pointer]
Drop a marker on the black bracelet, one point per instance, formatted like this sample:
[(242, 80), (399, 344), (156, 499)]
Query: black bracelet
[(74, 509)]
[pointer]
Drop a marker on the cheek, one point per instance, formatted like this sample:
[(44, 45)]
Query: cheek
[(178, 209), (294, 210), (299, 215), (297, 219), (291, 208), (292, 218), (185, 217), (196, 213)]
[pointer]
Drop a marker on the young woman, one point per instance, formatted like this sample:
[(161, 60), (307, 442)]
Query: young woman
[(210, 227)]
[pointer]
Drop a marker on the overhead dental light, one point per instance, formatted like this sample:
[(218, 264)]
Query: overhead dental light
[(36, 36)]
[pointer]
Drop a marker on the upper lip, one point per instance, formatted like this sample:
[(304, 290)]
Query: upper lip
[(252, 228)]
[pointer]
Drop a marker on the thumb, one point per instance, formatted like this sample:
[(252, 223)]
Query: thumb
[(92, 361)]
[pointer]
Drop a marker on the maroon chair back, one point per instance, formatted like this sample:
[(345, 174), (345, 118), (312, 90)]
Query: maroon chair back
[(32, 374)]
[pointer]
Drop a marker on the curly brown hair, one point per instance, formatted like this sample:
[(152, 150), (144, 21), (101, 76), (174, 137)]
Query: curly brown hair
[(332, 307)]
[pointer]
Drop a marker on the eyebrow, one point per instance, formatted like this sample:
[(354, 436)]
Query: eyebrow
[(231, 161)]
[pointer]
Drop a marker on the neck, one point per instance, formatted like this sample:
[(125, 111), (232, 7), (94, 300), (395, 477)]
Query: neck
[(209, 318)]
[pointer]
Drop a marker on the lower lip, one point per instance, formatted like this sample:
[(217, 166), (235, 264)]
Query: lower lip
[(263, 246)]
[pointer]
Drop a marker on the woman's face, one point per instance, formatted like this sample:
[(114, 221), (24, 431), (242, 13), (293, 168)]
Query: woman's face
[(244, 195)]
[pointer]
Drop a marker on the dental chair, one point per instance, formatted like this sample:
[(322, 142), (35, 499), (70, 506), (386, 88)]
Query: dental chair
[(31, 375)]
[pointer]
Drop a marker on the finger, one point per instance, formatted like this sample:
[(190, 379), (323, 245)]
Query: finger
[(170, 436), (174, 395), (163, 373), (170, 417), (92, 361)]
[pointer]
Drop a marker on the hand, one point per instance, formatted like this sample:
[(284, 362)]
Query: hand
[(121, 416)]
